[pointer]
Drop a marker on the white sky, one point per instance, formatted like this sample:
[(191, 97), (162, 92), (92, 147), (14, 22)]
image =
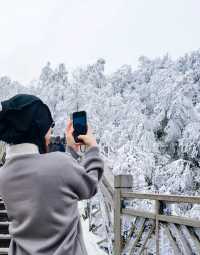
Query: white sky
[(77, 32)]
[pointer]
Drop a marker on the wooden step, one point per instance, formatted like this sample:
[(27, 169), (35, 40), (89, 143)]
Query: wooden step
[(4, 227), (4, 251), (2, 206), (4, 241), (2, 236), (3, 215)]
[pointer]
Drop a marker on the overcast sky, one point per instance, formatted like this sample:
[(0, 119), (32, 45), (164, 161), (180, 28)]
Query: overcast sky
[(78, 32)]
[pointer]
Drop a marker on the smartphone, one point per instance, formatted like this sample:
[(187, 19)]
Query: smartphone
[(79, 120)]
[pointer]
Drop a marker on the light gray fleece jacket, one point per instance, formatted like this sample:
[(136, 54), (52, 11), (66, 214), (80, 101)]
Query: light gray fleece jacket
[(41, 192)]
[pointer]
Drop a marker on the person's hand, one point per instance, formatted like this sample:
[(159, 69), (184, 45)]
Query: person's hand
[(89, 138), (69, 136)]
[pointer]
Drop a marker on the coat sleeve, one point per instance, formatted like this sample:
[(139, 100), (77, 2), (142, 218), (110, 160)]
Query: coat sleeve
[(72, 152), (87, 174)]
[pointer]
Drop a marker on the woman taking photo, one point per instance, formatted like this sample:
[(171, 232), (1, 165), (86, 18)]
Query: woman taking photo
[(41, 190)]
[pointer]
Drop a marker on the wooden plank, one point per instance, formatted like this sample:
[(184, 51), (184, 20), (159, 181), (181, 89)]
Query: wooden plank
[(171, 219), (133, 227), (107, 223), (185, 247), (179, 220), (4, 251), (106, 194), (195, 239), (108, 178), (108, 186), (138, 236), (149, 233), (108, 205), (173, 243), (191, 237), (123, 181), (161, 197), (117, 222), (157, 211), (139, 213)]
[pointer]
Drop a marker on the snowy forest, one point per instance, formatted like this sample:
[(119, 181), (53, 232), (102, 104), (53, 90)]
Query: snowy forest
[(147, 121)]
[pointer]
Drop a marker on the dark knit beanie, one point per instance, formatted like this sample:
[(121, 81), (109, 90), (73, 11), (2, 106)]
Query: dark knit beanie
[(25, 119)]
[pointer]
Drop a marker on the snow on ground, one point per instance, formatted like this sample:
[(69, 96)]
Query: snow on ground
[(89, 238)]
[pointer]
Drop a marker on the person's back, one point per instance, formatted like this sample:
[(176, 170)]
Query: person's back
[(41, 197), (41, 190)]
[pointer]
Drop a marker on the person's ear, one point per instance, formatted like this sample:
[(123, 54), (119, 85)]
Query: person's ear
[(48, 137)]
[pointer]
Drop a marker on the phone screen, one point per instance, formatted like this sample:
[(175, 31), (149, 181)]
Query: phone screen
[(79, 124)]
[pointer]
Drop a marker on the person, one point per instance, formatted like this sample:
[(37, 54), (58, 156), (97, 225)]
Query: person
[(41, 190)]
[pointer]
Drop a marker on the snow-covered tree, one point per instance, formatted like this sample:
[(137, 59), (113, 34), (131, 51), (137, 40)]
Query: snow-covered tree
[(146, 120)]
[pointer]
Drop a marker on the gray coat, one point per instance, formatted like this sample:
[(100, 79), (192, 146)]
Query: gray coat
[(41, 192)]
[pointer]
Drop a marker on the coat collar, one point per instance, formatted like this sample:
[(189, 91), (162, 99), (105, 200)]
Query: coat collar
[(20, 149)]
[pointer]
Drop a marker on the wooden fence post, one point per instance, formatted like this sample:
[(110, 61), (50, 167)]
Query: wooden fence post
[(157, 211), (120, 181)]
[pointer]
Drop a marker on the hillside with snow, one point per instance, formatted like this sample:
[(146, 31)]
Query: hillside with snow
[(147, 120)]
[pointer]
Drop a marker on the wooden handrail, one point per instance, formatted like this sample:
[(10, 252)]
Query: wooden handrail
[(165, 218), (161, 197)]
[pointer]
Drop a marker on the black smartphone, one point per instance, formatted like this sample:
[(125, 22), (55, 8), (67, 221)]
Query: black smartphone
[(79, 120)]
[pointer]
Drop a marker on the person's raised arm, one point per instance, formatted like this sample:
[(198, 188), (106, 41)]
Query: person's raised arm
[(85, 176), (88, 173)]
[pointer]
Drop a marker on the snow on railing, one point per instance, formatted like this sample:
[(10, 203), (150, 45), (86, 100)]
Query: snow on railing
[(150, 230)]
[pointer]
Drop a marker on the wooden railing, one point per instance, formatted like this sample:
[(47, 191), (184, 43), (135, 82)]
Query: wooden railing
[(144, 235), (181, 231)]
